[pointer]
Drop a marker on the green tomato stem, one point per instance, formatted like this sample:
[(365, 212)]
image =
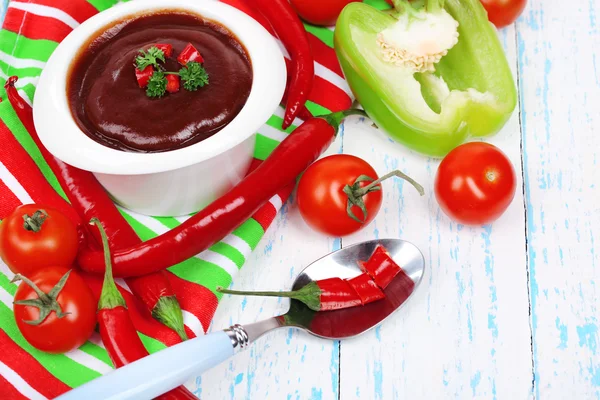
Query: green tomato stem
[(46, 302), (364, 190), (356, 193), (35, 221)]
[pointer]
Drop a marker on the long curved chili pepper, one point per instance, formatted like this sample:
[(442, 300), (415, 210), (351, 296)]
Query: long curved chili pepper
[(303, 112), (89, 199), (322, 295), (214, 222), (116, 329), (289, 29)]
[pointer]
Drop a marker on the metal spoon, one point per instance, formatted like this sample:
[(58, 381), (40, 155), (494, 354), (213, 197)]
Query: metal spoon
[(171, 367)]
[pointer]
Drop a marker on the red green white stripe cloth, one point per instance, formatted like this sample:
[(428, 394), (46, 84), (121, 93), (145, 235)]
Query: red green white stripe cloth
[(31, 31)]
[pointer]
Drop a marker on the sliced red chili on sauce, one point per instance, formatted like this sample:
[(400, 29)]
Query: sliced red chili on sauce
[(189, 53), (172, 83), (380, 267), (144, 75), (166, 48), (366, 288)]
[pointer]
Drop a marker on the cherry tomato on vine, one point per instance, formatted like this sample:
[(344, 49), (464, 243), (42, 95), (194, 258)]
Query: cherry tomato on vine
[(35, 236), (58, 313), (475, 183), (503, 12), (321, 198), (340, 194), (319, 12)]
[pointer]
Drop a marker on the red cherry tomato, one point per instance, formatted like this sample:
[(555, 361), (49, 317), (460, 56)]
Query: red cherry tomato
[(475, 183), (503, 12), (54, 334), (27, 250), (319, 12), (322, 201)]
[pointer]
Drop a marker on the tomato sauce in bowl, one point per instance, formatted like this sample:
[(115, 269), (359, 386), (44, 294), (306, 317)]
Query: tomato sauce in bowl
[(109, 106)]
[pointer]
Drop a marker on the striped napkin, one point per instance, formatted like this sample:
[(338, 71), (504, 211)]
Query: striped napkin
[(31, 31)]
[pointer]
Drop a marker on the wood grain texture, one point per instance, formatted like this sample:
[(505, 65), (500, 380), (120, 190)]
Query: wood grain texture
[(559, 70), (507, 311), (3, 6), (466, 334)]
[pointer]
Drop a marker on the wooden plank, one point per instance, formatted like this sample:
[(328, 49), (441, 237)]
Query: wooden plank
[(3, 6), (286, 363), (559, 64), (466, 332)]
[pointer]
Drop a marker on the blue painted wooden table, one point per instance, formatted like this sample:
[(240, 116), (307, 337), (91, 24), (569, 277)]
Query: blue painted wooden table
[(507, 311)]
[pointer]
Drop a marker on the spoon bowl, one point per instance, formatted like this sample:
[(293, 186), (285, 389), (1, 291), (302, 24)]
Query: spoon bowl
[(343, 263), (171, 367)]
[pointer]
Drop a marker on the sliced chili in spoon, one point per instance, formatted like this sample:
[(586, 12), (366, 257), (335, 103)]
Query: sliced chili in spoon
[(380, 267), (366, 288), (322, 295)]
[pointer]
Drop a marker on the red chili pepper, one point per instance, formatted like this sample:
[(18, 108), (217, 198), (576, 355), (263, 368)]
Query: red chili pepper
[(322, 295), (144, 75), (189, 53), (303, 113), (89, 199), (336, 294), (290, 31), (366, 288), (116, 329), (166, 48), (380, 267), (172, 83), (225, 214)]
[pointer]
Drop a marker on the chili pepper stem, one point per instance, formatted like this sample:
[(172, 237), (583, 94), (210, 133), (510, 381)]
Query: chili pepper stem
[(168, 312), (46, 302), (35, 221), (310, 294), (335, 119), (110, 297)]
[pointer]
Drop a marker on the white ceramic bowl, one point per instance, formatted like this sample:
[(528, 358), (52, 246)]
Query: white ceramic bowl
[(175, 182)]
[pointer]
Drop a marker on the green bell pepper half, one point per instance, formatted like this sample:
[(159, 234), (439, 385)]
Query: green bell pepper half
[(471, 94)]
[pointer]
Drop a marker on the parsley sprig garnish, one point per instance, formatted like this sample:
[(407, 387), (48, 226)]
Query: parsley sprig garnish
[(157, 85), (193, 75), (150, 57)]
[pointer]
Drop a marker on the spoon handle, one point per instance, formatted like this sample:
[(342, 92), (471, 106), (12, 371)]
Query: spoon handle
[(158, 373), (162, 371)]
